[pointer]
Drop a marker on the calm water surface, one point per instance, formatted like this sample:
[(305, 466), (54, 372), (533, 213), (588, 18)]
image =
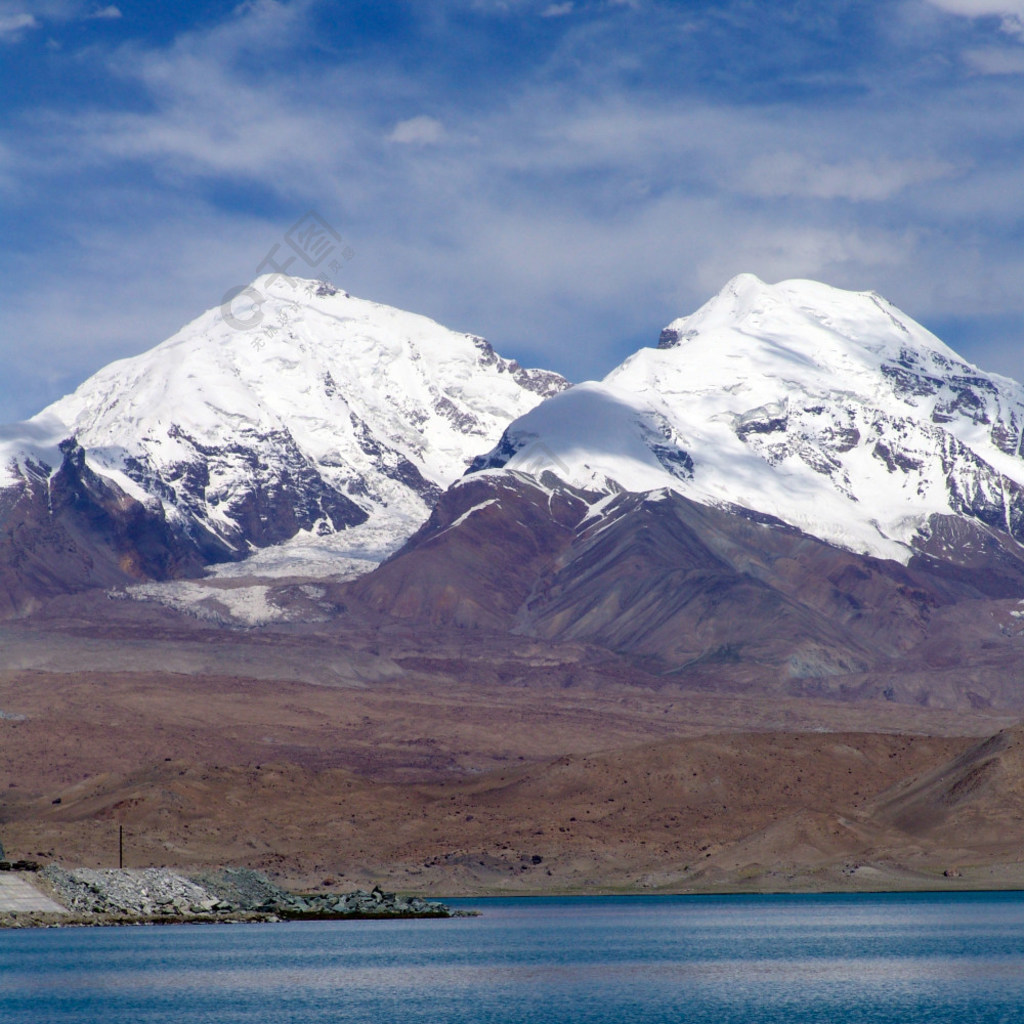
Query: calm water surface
[(705, 960)]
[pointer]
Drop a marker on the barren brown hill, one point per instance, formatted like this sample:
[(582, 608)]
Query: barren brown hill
[(714, 598), (490, 713), (441, 780), (975, 802)]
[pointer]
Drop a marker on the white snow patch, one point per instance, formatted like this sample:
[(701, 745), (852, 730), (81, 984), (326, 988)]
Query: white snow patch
[(338, 556), (246, 605), (465, 515)]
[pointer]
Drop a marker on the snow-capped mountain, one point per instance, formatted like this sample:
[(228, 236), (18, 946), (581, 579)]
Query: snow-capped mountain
[(330, 413), (800, 491), (829, 410)]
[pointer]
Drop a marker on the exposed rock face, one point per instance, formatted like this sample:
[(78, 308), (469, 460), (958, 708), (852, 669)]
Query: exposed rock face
[(74, 528), (283, 492)]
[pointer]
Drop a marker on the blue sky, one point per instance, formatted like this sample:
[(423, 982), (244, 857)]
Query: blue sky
[(562, 177)]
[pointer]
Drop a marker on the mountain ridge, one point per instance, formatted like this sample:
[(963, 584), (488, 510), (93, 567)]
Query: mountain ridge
[(796, 405), (334, 413), (830, 410), (730, 600)]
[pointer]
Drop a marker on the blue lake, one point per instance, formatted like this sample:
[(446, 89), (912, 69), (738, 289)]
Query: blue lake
[(720, 960)]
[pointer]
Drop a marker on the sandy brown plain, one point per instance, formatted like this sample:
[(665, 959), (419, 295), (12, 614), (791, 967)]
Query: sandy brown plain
[(498, 766)]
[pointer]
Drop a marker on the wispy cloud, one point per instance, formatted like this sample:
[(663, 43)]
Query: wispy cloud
[(420, 129), (1009, 12), (12, 26), (982, 8), (792, 173), (992, 60), (573, 188)]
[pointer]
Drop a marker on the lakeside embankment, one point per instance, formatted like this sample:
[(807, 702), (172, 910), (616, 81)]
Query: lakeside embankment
[(85, 896)]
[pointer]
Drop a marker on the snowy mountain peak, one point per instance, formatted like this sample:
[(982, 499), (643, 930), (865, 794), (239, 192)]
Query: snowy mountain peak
[(830, 410), (809, 321), (296, 408)]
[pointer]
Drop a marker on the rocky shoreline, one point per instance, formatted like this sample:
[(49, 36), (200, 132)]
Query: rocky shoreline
[(159, 896)]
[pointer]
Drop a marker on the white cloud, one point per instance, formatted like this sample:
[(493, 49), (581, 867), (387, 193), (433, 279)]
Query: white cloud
[(838, 254), (558, 10), (996, 61), (795, 173), (13, 25), (1010, 12), (109, 13), (981, 8), (421, 130), (55, 11), (489, 233), (211, 118)]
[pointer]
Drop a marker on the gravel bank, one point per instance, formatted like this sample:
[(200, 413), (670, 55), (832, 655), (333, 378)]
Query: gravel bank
[(156, 895)]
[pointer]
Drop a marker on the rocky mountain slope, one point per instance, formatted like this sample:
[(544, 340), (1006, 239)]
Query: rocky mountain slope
[(330, 414), (728, 599)]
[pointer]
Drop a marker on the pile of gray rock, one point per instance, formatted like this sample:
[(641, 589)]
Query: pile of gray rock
[(146, 893), (252, 891), (243, 888), (364, 904), (228, 894)]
